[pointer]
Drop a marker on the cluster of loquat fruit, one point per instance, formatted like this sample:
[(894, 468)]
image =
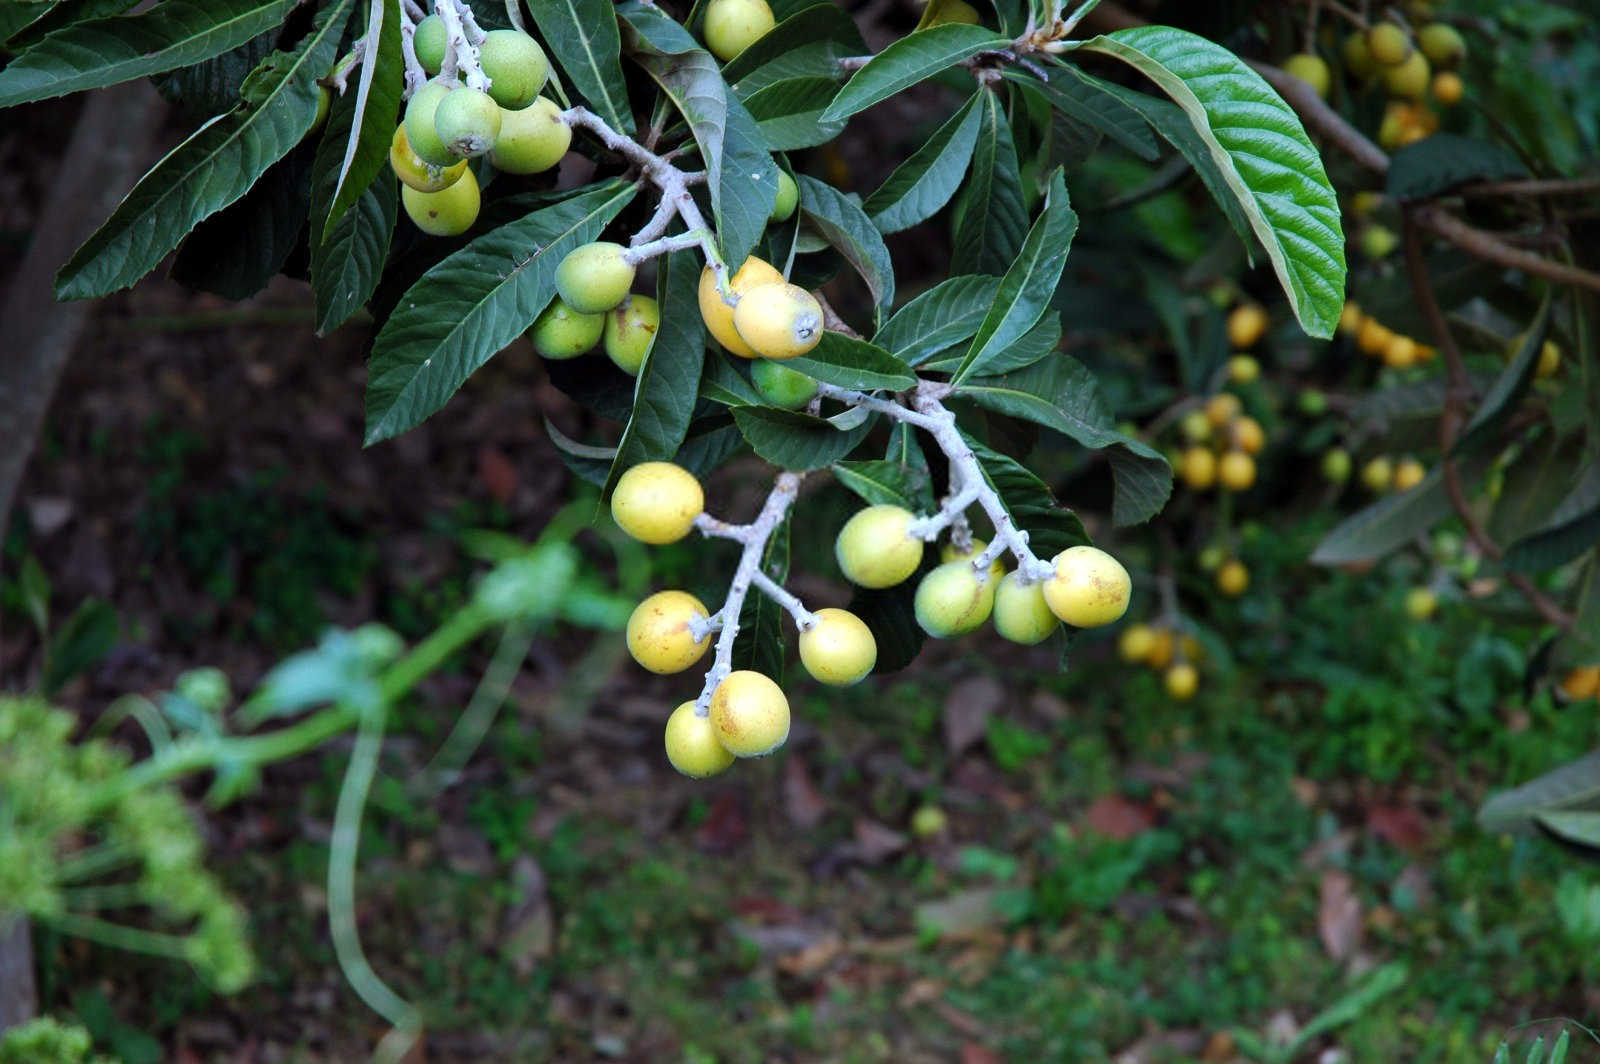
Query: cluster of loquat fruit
[(748, 714), (1174, 655), (1376, 340), (1412, 67), (447, 123)]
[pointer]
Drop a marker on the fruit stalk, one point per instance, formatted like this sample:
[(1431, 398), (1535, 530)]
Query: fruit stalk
[(416, 77), (672, 182), (462, 53), (930, 415), (754, 538)]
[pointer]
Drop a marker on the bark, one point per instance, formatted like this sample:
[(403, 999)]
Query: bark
[(111, 144)]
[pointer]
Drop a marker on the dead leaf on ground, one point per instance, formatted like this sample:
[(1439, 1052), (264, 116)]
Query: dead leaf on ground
[(1339, 915), (967, 710), (1115, 817), (527, 932), (801, 802), (962, 914), (875, 841), (724, 829), (971, 1053), (1399, 825), (1161, 1045), (920, 992), (1416, 885)]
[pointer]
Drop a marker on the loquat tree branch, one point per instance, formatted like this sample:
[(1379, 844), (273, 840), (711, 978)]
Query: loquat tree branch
[(1450, 421), (461, 51), (753, 537)]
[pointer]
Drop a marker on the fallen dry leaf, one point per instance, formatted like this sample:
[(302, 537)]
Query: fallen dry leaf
[(874, 841), (972, 1053), (1400, 826), (498, 474), (801, 803), (967, 710), (1339, 915), (1115, 817)]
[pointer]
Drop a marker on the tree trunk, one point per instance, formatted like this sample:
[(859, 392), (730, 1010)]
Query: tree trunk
[(111, 144)]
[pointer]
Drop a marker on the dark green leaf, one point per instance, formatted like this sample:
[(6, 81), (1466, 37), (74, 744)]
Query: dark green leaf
[(1061, 394), (28, 24), (1501, 401), (1394, 520), (740, 174), (808, 43), (368, 133), (472, 304), (1544, 476), (584, 39), (213, 168), (1580, 827), (845, 226), (913, 58), (1085, 101), (345, 270), (845, 362), (1442, 161), (792, 440), (1025, 290), (207, 89), (709, 443), (1574, 786), (924, 183), (1573, 528), (1051, 527), (945, 315), (788, 113), (669, 380), (1038, 342), (991, 219), (882, 482), (722, 383), (82, 642), (590, 464), (891, 614), (906, 452), (106, 51), (1266, 159), (235, 252)]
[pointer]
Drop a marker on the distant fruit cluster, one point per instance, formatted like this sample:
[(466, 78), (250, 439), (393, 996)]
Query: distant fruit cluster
[(1172, 654), (1411, 67)]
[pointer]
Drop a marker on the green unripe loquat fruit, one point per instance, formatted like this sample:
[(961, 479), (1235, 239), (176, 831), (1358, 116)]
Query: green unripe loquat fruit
[(560, 332), (1420, 603), (950, 553), (467, 121), (659, 637), (415, 172), (1358, 58), (1310, 69), (1388, 44), (692, 744), (1377, 475), (778, 320), (1336, 465), (1442, 44), (953, 600), (430, 42), (595, 277), (839, 649), (324, 102), (448, 212), (421, 132), (531, 140), (750, 714), (1195, 426), (1021, 613), (874, 549), (515, 65), (1242, 369), (1408, 78), (657, 502), (788, 198), (928, 821), (1089, 587), (781, 386), (731, 26), (630, 332)]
